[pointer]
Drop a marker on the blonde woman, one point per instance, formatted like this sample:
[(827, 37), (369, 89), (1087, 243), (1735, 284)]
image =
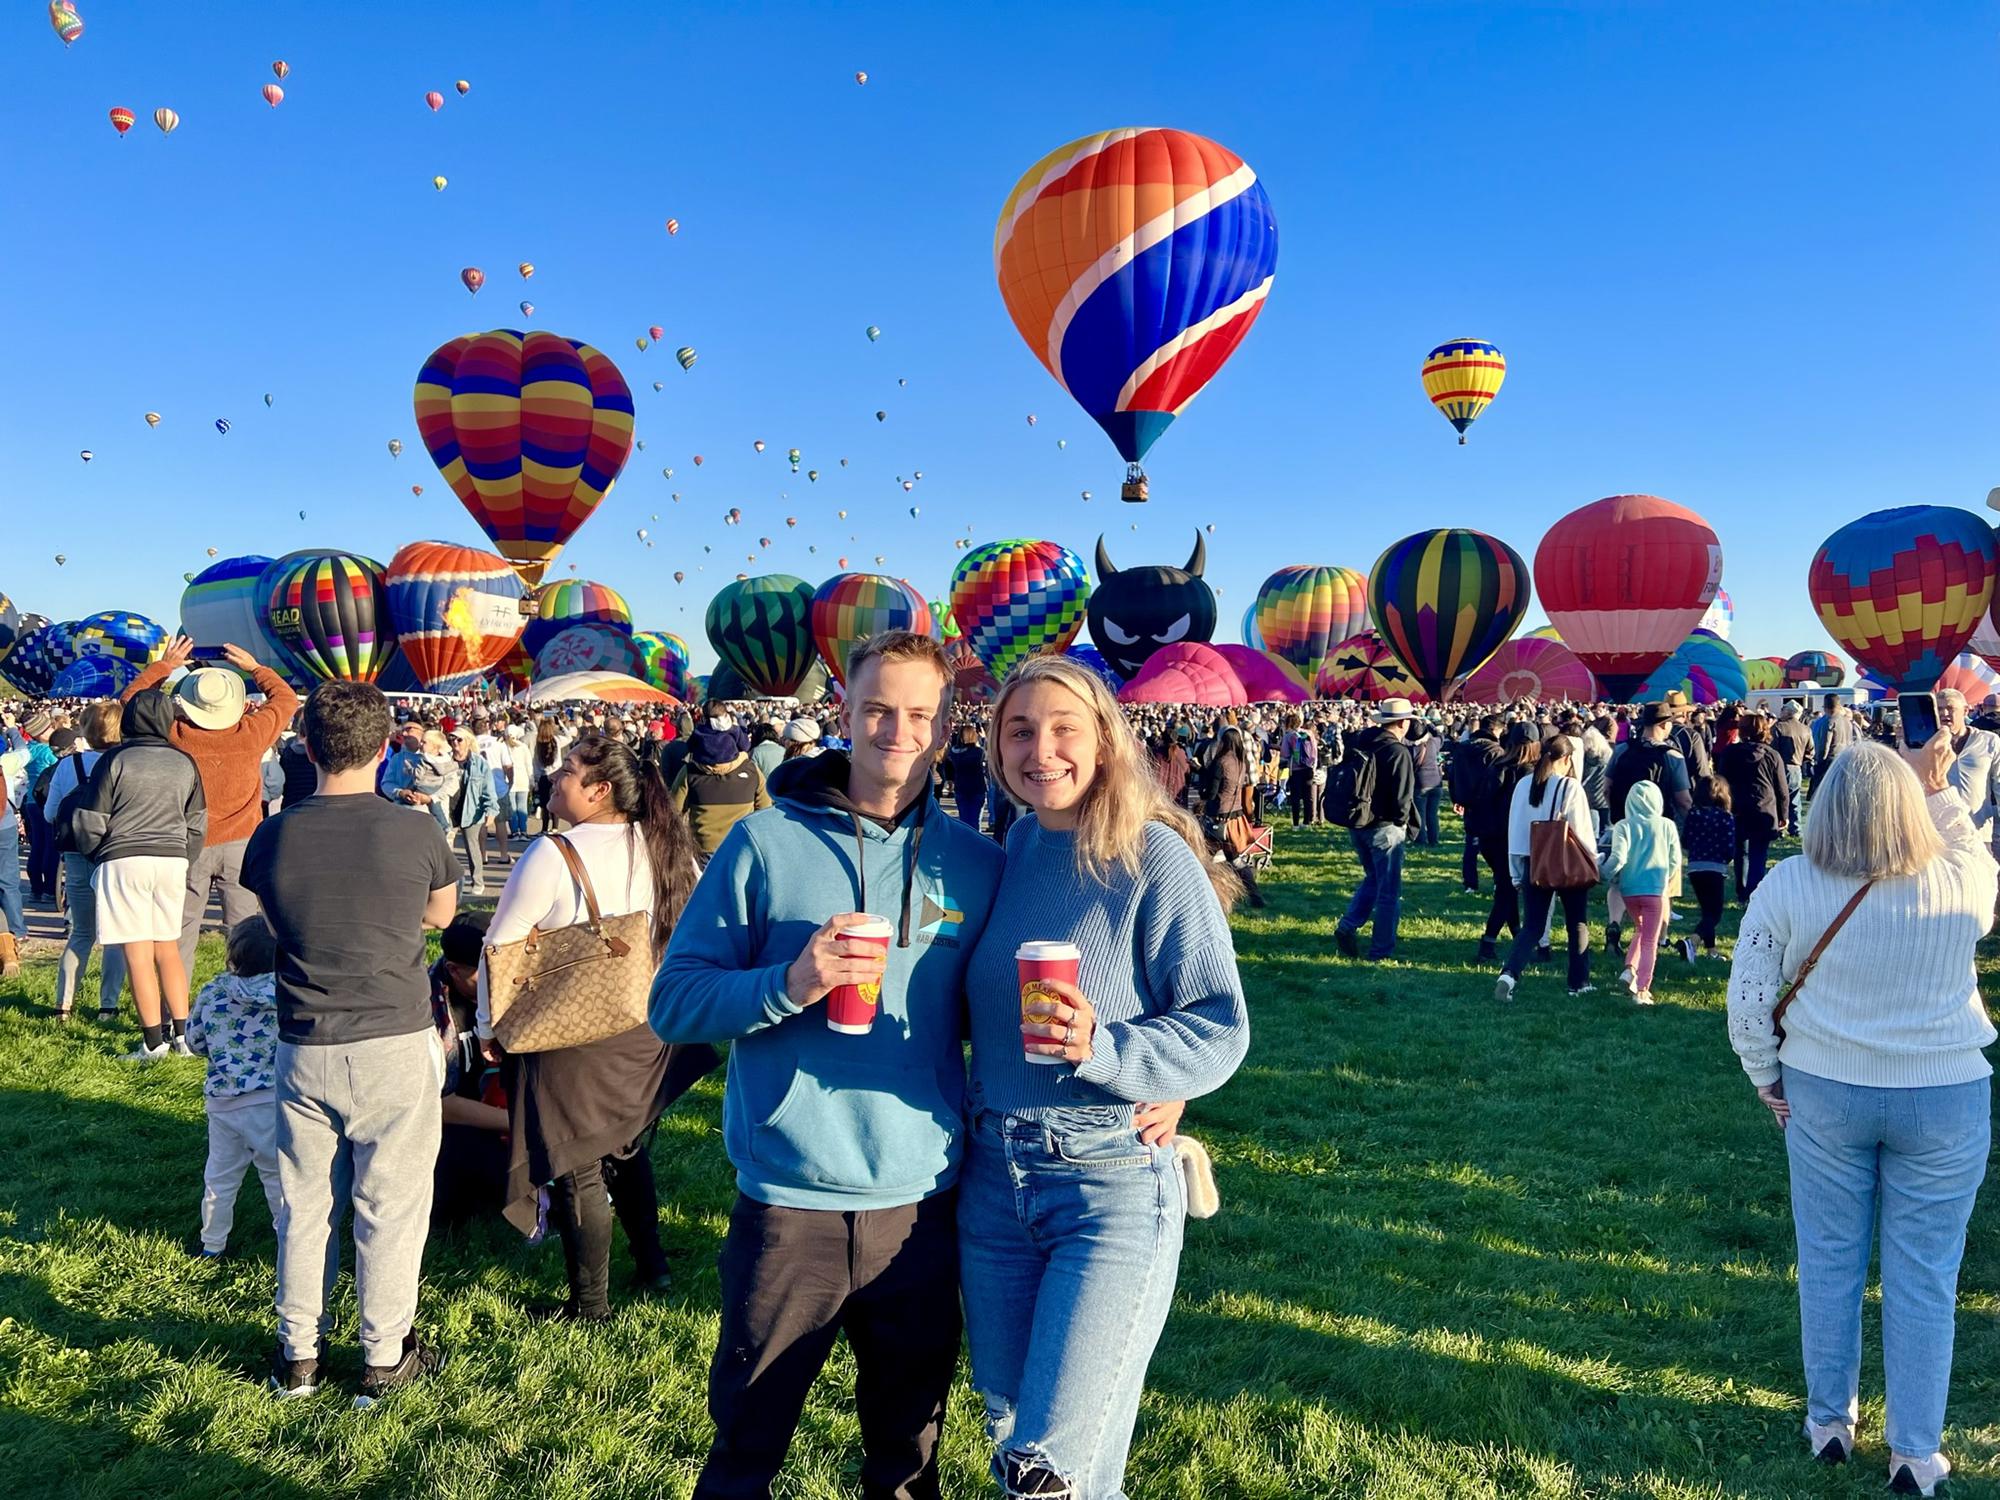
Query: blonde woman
[(1879, 1079), (1070, 1204)]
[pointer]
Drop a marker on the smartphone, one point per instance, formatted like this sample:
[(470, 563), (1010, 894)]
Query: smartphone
[(1920, 718)]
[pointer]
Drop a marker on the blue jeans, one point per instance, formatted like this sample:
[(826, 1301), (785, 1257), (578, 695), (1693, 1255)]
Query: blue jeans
[(1427, 814), (82, 901), (1919, 1155), (518, 800), (10, 884), (1379, 897), (1795, 781), (1069, 1246)]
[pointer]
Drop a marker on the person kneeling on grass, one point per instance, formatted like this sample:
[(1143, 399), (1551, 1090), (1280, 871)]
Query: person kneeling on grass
[(234, 1024)]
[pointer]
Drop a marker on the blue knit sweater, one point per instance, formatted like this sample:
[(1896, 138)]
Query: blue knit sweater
[(1158, 966)]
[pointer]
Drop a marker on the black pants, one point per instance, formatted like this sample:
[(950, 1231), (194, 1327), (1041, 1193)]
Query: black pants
[(471, 1177), (1576, 915), (1752, 856), (43, 860), (1469, 864), (1708, 891), (1506, 910), (582, 1218), (1299, 795), (793, 1278)]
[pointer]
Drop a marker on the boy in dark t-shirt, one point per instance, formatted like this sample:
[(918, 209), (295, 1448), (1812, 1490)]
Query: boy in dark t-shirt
[(348, 883)]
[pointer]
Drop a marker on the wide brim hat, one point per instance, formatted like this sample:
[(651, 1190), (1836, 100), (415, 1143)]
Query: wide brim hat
[(212, 698), (1392, 709)]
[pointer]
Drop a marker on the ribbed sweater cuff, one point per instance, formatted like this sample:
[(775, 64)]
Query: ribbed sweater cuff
[(1881, 1070)]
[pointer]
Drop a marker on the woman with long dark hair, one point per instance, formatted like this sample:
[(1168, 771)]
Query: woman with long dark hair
[(581, 1118), (548, 758), (1487, 814)]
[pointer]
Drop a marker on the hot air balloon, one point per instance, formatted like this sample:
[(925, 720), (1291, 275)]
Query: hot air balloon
[(330, 611), (1532, 667), (588, 648), (1984, 642), (762, 628), (874, 333), (395, 447), (121, 636), (527, 269), (679, 576), (10, 626), (1364, 667), (1444, 600), (1970, 675), (32, 664), (881, 416), (474, 279), (152, 419), (1704, 667), (67, 23), (1462, 378), (85, 454), (1265, 678), (664, 662), (61, 558), (122, 120), (166, 119), (1136, 611), (1720, 616), (686, 355), (657, 332), (93, 677), (1761, 673), (1904, 589), (572, 602), (1135, 341), (456, 611), (530, 431), (440, 183), (1253, 635), (642, 343), (860, 77), (1303, 612), (222, 425), (435, 100), (1187, 672), (850, 607), (1624, 580), (223, 604), (463, 87), (673, 226), (282, 69), (528, 311), (273, 95), (1018, 598)]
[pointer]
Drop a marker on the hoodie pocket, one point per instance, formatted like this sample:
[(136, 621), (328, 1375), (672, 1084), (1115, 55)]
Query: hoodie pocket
[(849, 1125)]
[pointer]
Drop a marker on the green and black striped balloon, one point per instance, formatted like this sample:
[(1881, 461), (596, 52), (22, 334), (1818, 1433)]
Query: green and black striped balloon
[(762, 627)]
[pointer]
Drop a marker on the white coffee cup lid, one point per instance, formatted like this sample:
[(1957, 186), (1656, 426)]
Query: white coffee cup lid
[(874, 927), (1040, 952)]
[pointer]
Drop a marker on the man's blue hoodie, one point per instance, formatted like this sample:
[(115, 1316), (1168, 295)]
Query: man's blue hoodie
[(812, 1117)]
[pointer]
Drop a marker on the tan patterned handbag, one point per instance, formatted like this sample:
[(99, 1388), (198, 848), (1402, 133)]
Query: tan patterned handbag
[(576, 984)]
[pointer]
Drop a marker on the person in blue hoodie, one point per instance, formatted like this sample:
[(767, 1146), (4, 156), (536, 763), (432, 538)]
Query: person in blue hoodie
[(846, 1147)]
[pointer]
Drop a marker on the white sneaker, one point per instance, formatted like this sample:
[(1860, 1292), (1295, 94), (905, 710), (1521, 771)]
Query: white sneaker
[(1688, 949), (1917, 1476), (1832, 1442), (1628, 978), (1643, 997), (1503, 987), (145, 1054), (1583, 989), (180, 1048)]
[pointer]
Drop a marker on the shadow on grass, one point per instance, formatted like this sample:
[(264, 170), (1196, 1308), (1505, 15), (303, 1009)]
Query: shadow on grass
[(58, 1460)]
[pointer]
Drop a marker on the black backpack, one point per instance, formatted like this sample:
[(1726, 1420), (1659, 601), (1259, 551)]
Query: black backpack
[(1350, 789)]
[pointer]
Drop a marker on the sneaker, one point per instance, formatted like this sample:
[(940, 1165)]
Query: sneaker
[(418, 1360), (1583, 989), (1688, 949), (107, 1015), (204, 1253), (1503, 988), (1627, 978), (296, 1377), (1489, 952), (1344, 941), (180, 1048), (1643, 997), (1917, 1476), (1541, 953), (145, 1054), (1831, 1442), (565, 1312)]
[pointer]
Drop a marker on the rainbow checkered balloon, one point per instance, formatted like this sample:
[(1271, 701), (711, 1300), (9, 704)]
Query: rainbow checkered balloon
[(850, 607), (1302, 613), (1017, 598)]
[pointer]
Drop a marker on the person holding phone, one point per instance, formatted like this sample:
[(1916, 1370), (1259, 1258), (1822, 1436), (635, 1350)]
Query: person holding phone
[(1878, 1077)]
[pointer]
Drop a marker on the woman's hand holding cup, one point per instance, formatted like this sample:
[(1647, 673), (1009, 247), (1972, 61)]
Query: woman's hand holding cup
[(1059, 1023)]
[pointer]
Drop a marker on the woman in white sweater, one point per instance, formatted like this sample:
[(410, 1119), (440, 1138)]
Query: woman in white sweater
[(1878, 1079), (1552, 792)]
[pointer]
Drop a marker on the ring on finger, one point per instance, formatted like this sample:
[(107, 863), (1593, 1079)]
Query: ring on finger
[(1069, 1034)]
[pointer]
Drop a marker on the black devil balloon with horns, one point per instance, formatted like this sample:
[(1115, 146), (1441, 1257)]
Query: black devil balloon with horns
[(1135, 612)]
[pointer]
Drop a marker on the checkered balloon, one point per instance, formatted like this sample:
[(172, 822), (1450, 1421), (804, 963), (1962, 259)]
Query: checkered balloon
[(1017, 598)]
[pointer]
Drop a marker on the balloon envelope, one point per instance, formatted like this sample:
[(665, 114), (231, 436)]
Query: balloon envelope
[(850, 607), (1189, 672), (1364, 667), (222, 606), (1133, 263), (1265, 678), (589, 648), (330, 610), (456, 610), (121, 635), (762, 629), (1302, 613), (1705, 667), (1016, 598), (574, 601), (1531, 667), (1462, 377), (93, 677), (664, 662), (1445, 600), (1904, 589)]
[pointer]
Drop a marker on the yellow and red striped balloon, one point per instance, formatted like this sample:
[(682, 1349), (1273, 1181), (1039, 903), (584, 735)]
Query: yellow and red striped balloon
[(1462, 377)]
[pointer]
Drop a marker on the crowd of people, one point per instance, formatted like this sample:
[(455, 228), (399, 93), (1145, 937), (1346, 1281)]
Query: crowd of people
[(984, 1161)]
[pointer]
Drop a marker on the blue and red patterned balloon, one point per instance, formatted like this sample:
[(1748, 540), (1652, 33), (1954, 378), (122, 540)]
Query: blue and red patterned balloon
[(1016, 598), (1905, 589), (1133, 262)]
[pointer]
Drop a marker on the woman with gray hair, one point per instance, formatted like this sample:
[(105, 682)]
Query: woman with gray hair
[(1874, 1069)]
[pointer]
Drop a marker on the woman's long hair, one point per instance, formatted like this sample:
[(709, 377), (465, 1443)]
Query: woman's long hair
[(1123, 797), (545, 744), (1554, 749), (639, 793)]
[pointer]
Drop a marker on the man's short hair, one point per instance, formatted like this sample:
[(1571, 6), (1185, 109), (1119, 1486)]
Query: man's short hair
[(462, 942), (899, 645), (347, 723)]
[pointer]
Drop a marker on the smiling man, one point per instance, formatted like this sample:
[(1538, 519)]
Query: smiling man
[(846, 1146)]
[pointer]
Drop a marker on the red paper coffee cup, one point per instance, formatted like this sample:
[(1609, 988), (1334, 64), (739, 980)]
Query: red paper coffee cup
[(1037, 963), (851, 1007)]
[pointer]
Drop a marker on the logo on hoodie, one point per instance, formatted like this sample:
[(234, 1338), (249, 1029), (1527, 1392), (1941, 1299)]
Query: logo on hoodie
[(940, 919)]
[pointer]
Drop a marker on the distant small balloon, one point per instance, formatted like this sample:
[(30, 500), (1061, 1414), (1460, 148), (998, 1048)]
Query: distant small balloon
[(1060, 443), (842, 514), (843, 463), (267, 398), (166, 119), (282, 69), (273, 95), (416, 489), (211, 551), (642, 343), (86, 455), (302, 515), (61, 558), (764, 542), (152, 419), (435, 100), (474, 279), (527, 309), (659, 385), (395, 447), (222, 424), (686, 355), (874, 333), (908, 485), (813, 475), (657, 332), (463, 88), (1086, 494), (67, 23), (880, 559), (1031, 419), (440, 183), (860, 77), (121, 120), (673, 226), (914, 512), (881, 416), (527, 269), (697, 460), (679, 576)]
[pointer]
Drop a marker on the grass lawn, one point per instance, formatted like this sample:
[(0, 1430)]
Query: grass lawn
[(1465, 1250)]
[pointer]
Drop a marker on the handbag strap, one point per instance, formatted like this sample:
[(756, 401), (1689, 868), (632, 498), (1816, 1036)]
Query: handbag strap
[(1812, 958), (582, 877)]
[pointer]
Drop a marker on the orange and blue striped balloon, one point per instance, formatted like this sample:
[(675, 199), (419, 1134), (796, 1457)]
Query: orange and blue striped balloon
[(1133, 262), (1445, 600), (1462, 377)]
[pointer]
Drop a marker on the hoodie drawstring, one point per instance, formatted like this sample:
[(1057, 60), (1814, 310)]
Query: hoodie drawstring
[(909, 872)]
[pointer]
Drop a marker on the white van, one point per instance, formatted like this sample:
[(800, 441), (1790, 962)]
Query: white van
[(1809, 698)]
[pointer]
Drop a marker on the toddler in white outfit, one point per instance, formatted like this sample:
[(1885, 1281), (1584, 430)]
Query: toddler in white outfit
[(234, 1024)]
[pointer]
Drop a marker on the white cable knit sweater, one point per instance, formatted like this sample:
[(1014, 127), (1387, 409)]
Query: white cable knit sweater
[(1894, 1001)]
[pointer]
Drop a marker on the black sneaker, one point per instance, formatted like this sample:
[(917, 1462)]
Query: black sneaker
[(565, 1312), (419, 1359), (1489, 952), (1344, 941), (296, 1377)]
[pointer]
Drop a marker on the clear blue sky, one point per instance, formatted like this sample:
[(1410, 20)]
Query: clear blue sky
[(1723, 246)]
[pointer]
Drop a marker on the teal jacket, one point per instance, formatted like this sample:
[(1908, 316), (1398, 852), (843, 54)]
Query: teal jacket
[(1645, 858), (811, 1117)]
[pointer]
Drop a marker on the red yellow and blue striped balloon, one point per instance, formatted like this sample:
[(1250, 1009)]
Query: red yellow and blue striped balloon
[(457, 611), (1445, 600), (850, 607), (1019, 598), (664, 662), (1462, 377), (330, 610), (574, 601), (1133, 262), (530, 430), (1302, 613)]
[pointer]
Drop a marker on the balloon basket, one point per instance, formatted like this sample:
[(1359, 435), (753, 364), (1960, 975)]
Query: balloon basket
[(1133, 492)]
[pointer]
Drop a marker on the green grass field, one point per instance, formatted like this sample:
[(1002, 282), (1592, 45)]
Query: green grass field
[(1465, 1250)]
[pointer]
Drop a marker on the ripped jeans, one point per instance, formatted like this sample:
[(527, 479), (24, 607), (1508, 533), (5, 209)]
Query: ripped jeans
[(1069, 1247)]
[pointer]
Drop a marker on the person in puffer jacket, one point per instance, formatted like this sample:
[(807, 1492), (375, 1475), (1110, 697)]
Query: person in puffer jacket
[(141, 821), (719, 785)]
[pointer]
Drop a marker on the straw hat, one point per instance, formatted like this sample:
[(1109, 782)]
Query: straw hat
[(212, 698)]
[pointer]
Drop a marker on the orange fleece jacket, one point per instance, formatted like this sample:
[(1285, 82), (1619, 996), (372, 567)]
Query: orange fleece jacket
[(231, 761)]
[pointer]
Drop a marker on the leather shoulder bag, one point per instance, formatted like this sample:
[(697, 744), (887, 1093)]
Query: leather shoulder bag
[(1557, 859)]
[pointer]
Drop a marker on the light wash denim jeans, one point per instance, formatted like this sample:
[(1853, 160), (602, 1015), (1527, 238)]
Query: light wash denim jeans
[(1919, 1156), (82, 901), (12, 918), (1379, 897), (1069, 1247), (518, 801)]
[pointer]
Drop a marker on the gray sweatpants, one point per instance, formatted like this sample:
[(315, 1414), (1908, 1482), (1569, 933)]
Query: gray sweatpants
[(359, 1122), (217, 865)]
